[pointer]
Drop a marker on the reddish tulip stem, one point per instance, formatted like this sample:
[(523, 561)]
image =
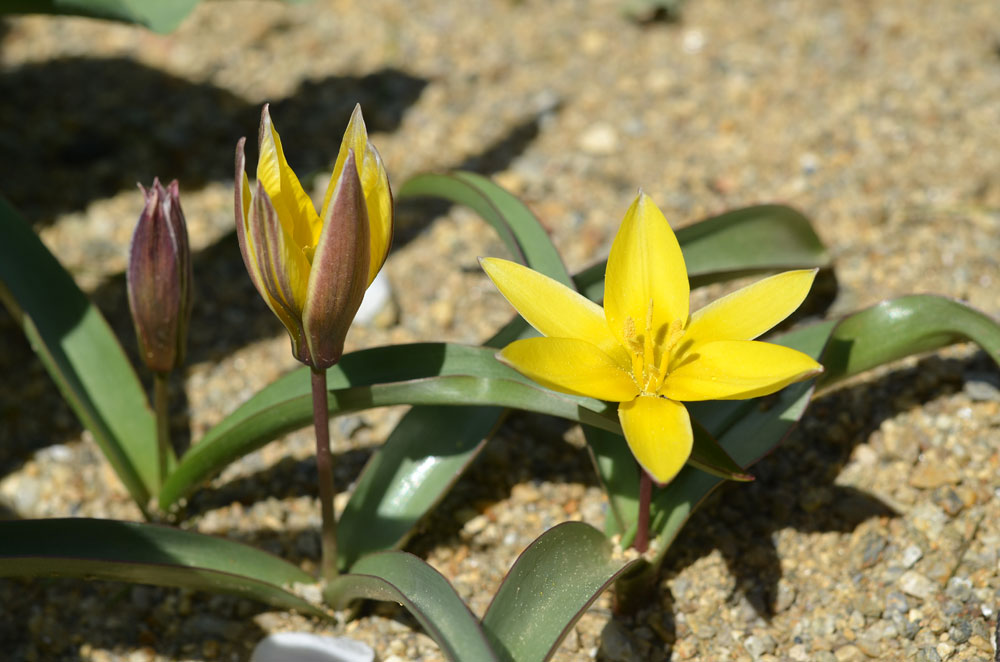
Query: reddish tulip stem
[(641, 542), (161, 408), (324, 467)]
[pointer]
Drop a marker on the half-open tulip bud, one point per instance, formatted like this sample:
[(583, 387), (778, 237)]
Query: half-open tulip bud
[(312, 269), (339, 277), (159, 278)]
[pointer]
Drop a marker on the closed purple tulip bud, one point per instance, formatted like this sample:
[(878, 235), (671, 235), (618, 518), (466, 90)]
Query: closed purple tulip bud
[(159, 278)]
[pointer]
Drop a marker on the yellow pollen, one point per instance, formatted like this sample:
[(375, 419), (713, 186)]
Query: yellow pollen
[(635, 347), (674, 334), (650, 351)]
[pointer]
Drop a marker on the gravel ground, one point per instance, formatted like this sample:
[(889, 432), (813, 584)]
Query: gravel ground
[(873, 533)]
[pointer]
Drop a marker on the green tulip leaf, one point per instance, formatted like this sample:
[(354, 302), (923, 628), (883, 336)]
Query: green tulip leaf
[(409, 474), (424, 374), (548, 589), (618, 474), (149, 554), (518, 228), (80, 352), (426, 594), (903, 327), (160, 16)]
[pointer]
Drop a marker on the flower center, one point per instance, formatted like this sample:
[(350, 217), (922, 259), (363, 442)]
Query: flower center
[(650, 350)]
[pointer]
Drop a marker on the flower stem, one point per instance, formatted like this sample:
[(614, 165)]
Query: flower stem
[(641, 542), (324, 467), (161, 407)]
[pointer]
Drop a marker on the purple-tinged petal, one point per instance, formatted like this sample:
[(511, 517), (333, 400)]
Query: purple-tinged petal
[(340, 267), (279, 265), (157, 278)]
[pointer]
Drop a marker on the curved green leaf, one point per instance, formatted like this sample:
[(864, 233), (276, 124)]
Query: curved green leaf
[(548, 589), (409, 475), (866, 339), (902, 327), (519, 229), (422, 374), (80, 352), (149, 554), (160, 16), (618, 474), (406, 579)]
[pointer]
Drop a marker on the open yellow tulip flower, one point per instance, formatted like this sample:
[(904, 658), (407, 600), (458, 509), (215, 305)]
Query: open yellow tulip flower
[(643, 349), (313, 269)]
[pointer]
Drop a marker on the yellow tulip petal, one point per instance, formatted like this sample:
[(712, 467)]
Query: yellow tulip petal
[(736, 370), (750, 311), (374, 183), (570, 366), (552, 308), (658, 432), (378, 199), (646, 287), (295, 210)]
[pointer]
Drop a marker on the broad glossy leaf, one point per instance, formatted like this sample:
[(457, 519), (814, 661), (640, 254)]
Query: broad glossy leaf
[(548, 589), (80, 352), (149, 554), (519, 229), (406, 579), (866, 339), (902, 327), (159, 16), (619, 475), (409, 475), (423, 374)]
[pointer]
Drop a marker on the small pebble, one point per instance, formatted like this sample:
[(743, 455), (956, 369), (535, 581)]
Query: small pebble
[(928, 475), (599, 139), (982, 390), (959, 588), (849, 653), (911, 555), (927, 654), (758, 645), (896, 602), (915, 584)]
